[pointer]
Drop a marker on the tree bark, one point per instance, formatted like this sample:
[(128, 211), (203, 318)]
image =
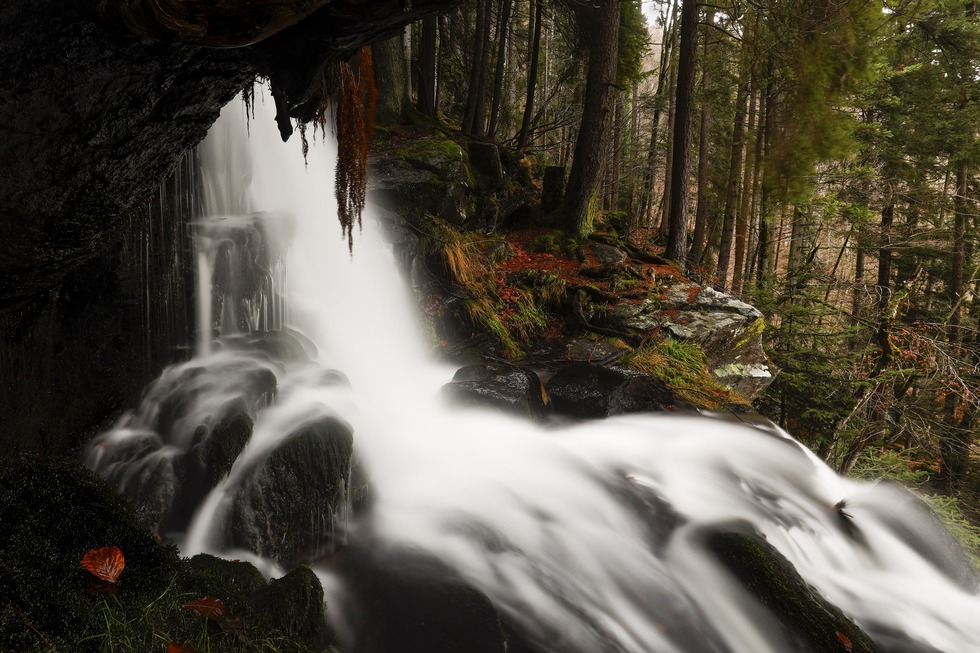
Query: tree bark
[(701, 215), (477, 65), (532, 77), (503, 33), (742, 218), (581, 200), (389, 77), (427, 67), (681, 163), (734, 177)]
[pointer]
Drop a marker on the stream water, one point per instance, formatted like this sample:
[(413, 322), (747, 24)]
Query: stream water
[(585, 537)]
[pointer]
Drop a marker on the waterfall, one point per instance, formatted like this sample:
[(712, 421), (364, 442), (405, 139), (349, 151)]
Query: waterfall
[(589, 536)]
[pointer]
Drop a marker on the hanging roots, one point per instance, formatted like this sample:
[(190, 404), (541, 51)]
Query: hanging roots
[(369, 92), (351, 182)]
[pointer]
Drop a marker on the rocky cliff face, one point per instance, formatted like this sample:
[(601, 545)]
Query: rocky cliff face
[(99, 100)]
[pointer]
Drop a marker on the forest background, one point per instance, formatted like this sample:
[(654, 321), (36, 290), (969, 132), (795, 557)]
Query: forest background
[(817, 158)]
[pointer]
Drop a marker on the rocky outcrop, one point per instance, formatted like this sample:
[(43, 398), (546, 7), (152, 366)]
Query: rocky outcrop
[(476, 185), (727, 329)]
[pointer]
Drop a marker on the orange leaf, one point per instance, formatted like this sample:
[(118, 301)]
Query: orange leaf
[(206, 607), (180, 648), (845, 640), (105, 563)]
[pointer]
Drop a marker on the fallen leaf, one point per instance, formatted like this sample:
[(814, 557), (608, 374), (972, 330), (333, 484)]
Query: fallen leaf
[(105, 563), (845, 640), (206, 606), (180, 648)]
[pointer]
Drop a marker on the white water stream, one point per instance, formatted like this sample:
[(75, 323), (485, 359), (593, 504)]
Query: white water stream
[(574, 562)]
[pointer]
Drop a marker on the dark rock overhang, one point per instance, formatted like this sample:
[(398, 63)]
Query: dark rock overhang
[(100, 99)]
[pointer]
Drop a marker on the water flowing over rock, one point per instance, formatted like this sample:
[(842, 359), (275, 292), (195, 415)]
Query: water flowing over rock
[(285, 507), (638, 533)]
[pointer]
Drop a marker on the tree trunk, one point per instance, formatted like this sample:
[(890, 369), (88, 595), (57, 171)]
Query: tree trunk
[(742, 218), (955, 443), (767, 257), (503, 33), (617, 145), (532, 76), (734, 175), (477, 65), (389, 77), (650, 172), (755, 231), (579, 206), (684, 115), (701, 215), (427, 67)]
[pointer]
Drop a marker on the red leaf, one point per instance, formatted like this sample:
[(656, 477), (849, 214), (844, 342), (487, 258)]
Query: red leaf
[(105, 563), (180, 648), (206, 607), (845, 640)]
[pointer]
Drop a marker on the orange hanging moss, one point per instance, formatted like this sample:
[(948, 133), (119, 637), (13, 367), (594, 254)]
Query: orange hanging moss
[(369, 92), (351, 182)]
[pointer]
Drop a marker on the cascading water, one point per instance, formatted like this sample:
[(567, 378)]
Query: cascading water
[(596, 536)]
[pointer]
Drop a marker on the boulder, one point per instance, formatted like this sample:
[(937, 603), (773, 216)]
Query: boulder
[(402, 599), (590, 390), (728, 330), (294, 605), (485, 159), (509, 387), (807, 622), (286, 503)]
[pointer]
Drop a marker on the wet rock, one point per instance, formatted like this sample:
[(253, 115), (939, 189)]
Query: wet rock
[(408, 601), (141, 470), (515, 389), (287, 501), (808, 623), (590, 390), (207, 462)]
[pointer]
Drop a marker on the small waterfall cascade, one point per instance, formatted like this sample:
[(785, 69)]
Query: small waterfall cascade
[(607, 535)]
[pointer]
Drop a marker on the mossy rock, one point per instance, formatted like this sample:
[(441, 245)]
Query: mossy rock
[(294, 605), (809, 623), (51, 514), (237, 579)]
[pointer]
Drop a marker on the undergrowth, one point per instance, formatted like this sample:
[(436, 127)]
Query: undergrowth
[(681, 365), (513, 315)]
